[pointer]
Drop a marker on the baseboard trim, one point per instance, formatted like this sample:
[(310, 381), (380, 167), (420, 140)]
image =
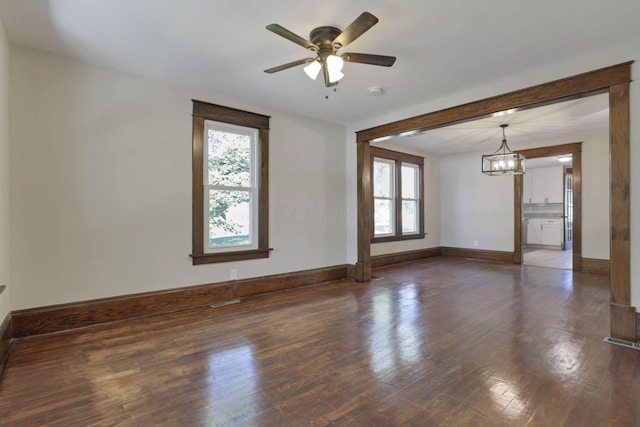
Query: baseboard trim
[(58, 318), (6, 336), (482, 254), (598, 266), (400, 257)]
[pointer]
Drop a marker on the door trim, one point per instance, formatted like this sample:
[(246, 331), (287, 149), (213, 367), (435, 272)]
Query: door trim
[(575, 149)]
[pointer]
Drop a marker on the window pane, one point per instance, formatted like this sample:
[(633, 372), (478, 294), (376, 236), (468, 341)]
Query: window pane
[(409, 174), (409, 216), (383, 217), (383, 179), (229, 218), (229, 158)]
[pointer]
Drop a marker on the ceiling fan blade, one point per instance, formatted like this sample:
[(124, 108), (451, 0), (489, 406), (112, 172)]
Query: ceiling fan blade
[(289, 65), (354, 30), (283, 32), (366, 58)]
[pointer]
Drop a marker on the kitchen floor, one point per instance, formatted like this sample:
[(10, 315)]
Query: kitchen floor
[(551, 258)]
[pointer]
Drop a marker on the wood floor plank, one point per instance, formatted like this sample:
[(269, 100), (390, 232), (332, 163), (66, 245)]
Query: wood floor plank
[(438, 342)]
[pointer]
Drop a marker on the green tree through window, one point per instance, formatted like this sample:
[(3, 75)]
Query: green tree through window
[(229, 165)]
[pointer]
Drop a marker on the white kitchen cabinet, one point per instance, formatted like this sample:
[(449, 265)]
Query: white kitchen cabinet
[(533, 231), (555, 185), (544, 232), (551, 232), (546, 185)]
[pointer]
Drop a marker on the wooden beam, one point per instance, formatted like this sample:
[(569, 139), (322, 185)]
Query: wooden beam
[(548, 93)]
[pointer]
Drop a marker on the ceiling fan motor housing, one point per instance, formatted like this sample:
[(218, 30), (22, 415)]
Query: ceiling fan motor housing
[(323, 36)]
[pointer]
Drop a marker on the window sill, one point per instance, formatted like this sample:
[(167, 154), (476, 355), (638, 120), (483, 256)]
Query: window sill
[(211, 258), (398, 238)]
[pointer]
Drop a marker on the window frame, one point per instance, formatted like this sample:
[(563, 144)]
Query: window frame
[(398, 158), (203, 111)]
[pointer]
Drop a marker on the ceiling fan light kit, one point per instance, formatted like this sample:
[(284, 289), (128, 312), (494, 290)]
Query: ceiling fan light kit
[(325, 42), (313, 69), (503, 161)]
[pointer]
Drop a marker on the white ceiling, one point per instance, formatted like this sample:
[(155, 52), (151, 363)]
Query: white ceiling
[(442, 47)]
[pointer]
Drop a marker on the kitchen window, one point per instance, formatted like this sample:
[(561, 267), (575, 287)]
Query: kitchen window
[(398, 195), (230, 184)]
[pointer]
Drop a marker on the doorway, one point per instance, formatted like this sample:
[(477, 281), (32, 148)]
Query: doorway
[(547, 212), (561, 245)]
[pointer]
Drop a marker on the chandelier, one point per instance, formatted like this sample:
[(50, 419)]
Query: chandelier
[(504, 161)]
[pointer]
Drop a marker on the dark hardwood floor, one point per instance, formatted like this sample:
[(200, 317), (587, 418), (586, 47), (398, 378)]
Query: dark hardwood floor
[(441, 342)]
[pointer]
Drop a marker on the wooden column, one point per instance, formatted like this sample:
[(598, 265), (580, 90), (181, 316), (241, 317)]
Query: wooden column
[(365, 194), (517, 219), (576, 165), (622, 313)]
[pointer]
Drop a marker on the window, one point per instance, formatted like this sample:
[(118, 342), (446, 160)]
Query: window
[(230, 184), (397, 195)]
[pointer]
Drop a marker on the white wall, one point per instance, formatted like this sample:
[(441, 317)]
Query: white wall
[(5, 303), (474, 207), (564, 67), (101, 185), (596, 224), (431, 206)]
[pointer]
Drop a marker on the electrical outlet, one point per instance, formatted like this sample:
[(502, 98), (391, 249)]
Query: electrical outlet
[(234, 274), (475, 243)]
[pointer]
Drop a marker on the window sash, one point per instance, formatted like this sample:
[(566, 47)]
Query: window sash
[(386, 194), (384, 227), (410, 181), (251, 225), (251, 191)]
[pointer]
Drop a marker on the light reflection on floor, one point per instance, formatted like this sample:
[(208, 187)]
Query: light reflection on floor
[(394, 337), (232, 385)]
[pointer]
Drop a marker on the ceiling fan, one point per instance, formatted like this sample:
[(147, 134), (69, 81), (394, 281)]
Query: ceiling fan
[(325, 43)]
